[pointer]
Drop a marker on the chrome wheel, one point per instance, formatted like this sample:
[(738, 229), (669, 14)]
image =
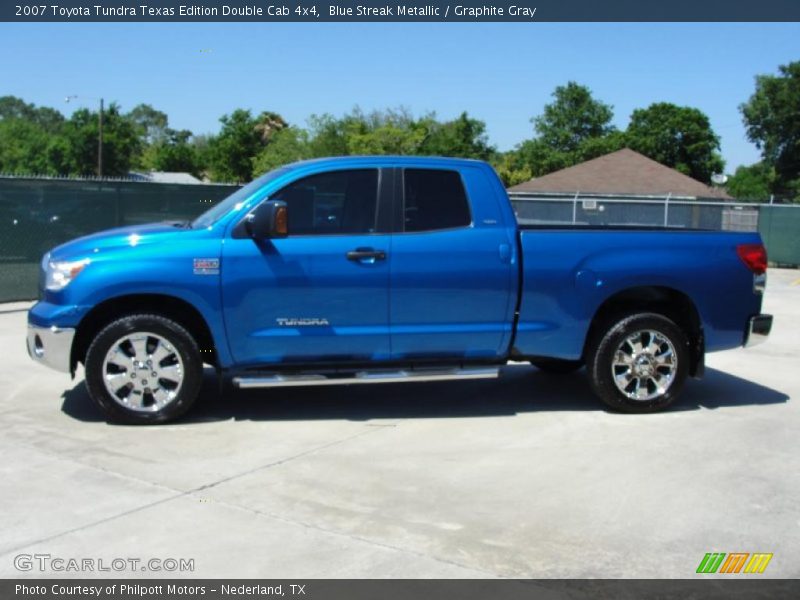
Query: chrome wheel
[(143, 372), (644, 365)]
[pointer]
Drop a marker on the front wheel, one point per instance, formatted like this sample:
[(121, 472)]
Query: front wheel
[(144, 369), (640, 364)]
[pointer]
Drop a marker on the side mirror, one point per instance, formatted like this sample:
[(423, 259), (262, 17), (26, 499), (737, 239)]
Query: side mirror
[(269, 220)]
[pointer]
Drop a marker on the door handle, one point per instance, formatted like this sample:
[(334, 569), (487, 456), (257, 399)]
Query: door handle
[(368, 255)]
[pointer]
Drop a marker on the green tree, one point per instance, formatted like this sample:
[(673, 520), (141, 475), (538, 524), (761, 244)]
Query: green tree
[(573, 117), (327, 136), (59, 156), (39, 140), (599, 146), (772, 119), (541, 159), (26, 134), (231, 152), (754, 182), (462, 137), (573, 128), (386, 138), (49, 118), (120, 142), (511, 169), (397, 131), (287, 145), (392, 131), (23, 147), (535, 158), (150, 124), (172, 153), (12, 107), (201, 144), (676, 136)]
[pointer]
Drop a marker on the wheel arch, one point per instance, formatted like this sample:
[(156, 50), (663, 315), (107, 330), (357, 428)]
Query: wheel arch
[(669, 302), (170, 307)]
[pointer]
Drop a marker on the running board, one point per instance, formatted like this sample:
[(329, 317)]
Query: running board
[(402, 376)]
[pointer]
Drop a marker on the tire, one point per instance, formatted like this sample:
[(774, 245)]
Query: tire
[(557, 366), (648, 373), (155, 359)]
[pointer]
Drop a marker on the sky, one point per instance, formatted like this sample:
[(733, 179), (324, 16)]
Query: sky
[(501, 73)]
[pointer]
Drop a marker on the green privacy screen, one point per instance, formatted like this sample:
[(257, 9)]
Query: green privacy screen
[(38, 214), (779, 227)]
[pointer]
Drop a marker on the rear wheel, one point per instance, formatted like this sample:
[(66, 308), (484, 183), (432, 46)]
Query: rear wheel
[(144, 369), (640, 363)]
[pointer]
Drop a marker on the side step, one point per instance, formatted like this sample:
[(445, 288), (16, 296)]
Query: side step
[(401, 376)]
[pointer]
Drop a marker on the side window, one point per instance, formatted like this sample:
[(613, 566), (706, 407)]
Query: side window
[(434, 199), (331, 203)]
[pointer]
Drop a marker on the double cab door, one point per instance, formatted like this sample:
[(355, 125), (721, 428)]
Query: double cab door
[(380, 264)]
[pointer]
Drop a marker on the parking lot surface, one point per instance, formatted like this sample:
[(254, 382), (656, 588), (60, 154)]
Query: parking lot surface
[(526, 476)]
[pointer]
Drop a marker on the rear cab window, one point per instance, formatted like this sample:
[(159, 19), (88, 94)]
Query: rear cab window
[(434, 199)]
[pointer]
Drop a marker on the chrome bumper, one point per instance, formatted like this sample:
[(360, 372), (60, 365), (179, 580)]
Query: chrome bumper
[(758, 329), (51, 346)]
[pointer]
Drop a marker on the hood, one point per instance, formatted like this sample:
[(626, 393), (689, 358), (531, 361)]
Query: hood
[(117, 239)]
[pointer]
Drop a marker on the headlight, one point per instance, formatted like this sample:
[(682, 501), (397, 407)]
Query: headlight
[(59, 274)]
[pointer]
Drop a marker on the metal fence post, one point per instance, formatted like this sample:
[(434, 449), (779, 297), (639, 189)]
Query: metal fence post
[(118, 207), (575, 208), (666, 209)]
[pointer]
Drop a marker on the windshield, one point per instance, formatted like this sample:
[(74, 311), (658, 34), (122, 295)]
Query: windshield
[(213, 214)]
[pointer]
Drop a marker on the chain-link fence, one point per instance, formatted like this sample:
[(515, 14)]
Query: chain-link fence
[(779, 224), (37, 214)]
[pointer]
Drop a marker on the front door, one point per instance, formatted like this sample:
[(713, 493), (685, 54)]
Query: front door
[(321, 293)]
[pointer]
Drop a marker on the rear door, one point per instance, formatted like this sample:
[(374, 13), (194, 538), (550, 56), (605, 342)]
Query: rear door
[(453, 268), (320, 294)]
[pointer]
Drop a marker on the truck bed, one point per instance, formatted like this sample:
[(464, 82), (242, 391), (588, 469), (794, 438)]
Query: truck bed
[(569, 272)]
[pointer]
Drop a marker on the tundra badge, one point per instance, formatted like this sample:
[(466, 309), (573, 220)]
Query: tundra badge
[(302, 322)]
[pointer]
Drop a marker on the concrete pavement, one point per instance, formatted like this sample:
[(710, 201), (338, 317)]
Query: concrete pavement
[(527, 476)]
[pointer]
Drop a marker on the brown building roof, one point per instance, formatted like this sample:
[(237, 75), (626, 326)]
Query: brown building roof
[(623, 172)]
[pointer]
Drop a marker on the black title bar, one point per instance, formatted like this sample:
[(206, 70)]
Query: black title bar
[(526, 11), (733, 588)]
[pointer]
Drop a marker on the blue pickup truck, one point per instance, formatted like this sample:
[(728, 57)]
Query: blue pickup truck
[(363, 270)]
